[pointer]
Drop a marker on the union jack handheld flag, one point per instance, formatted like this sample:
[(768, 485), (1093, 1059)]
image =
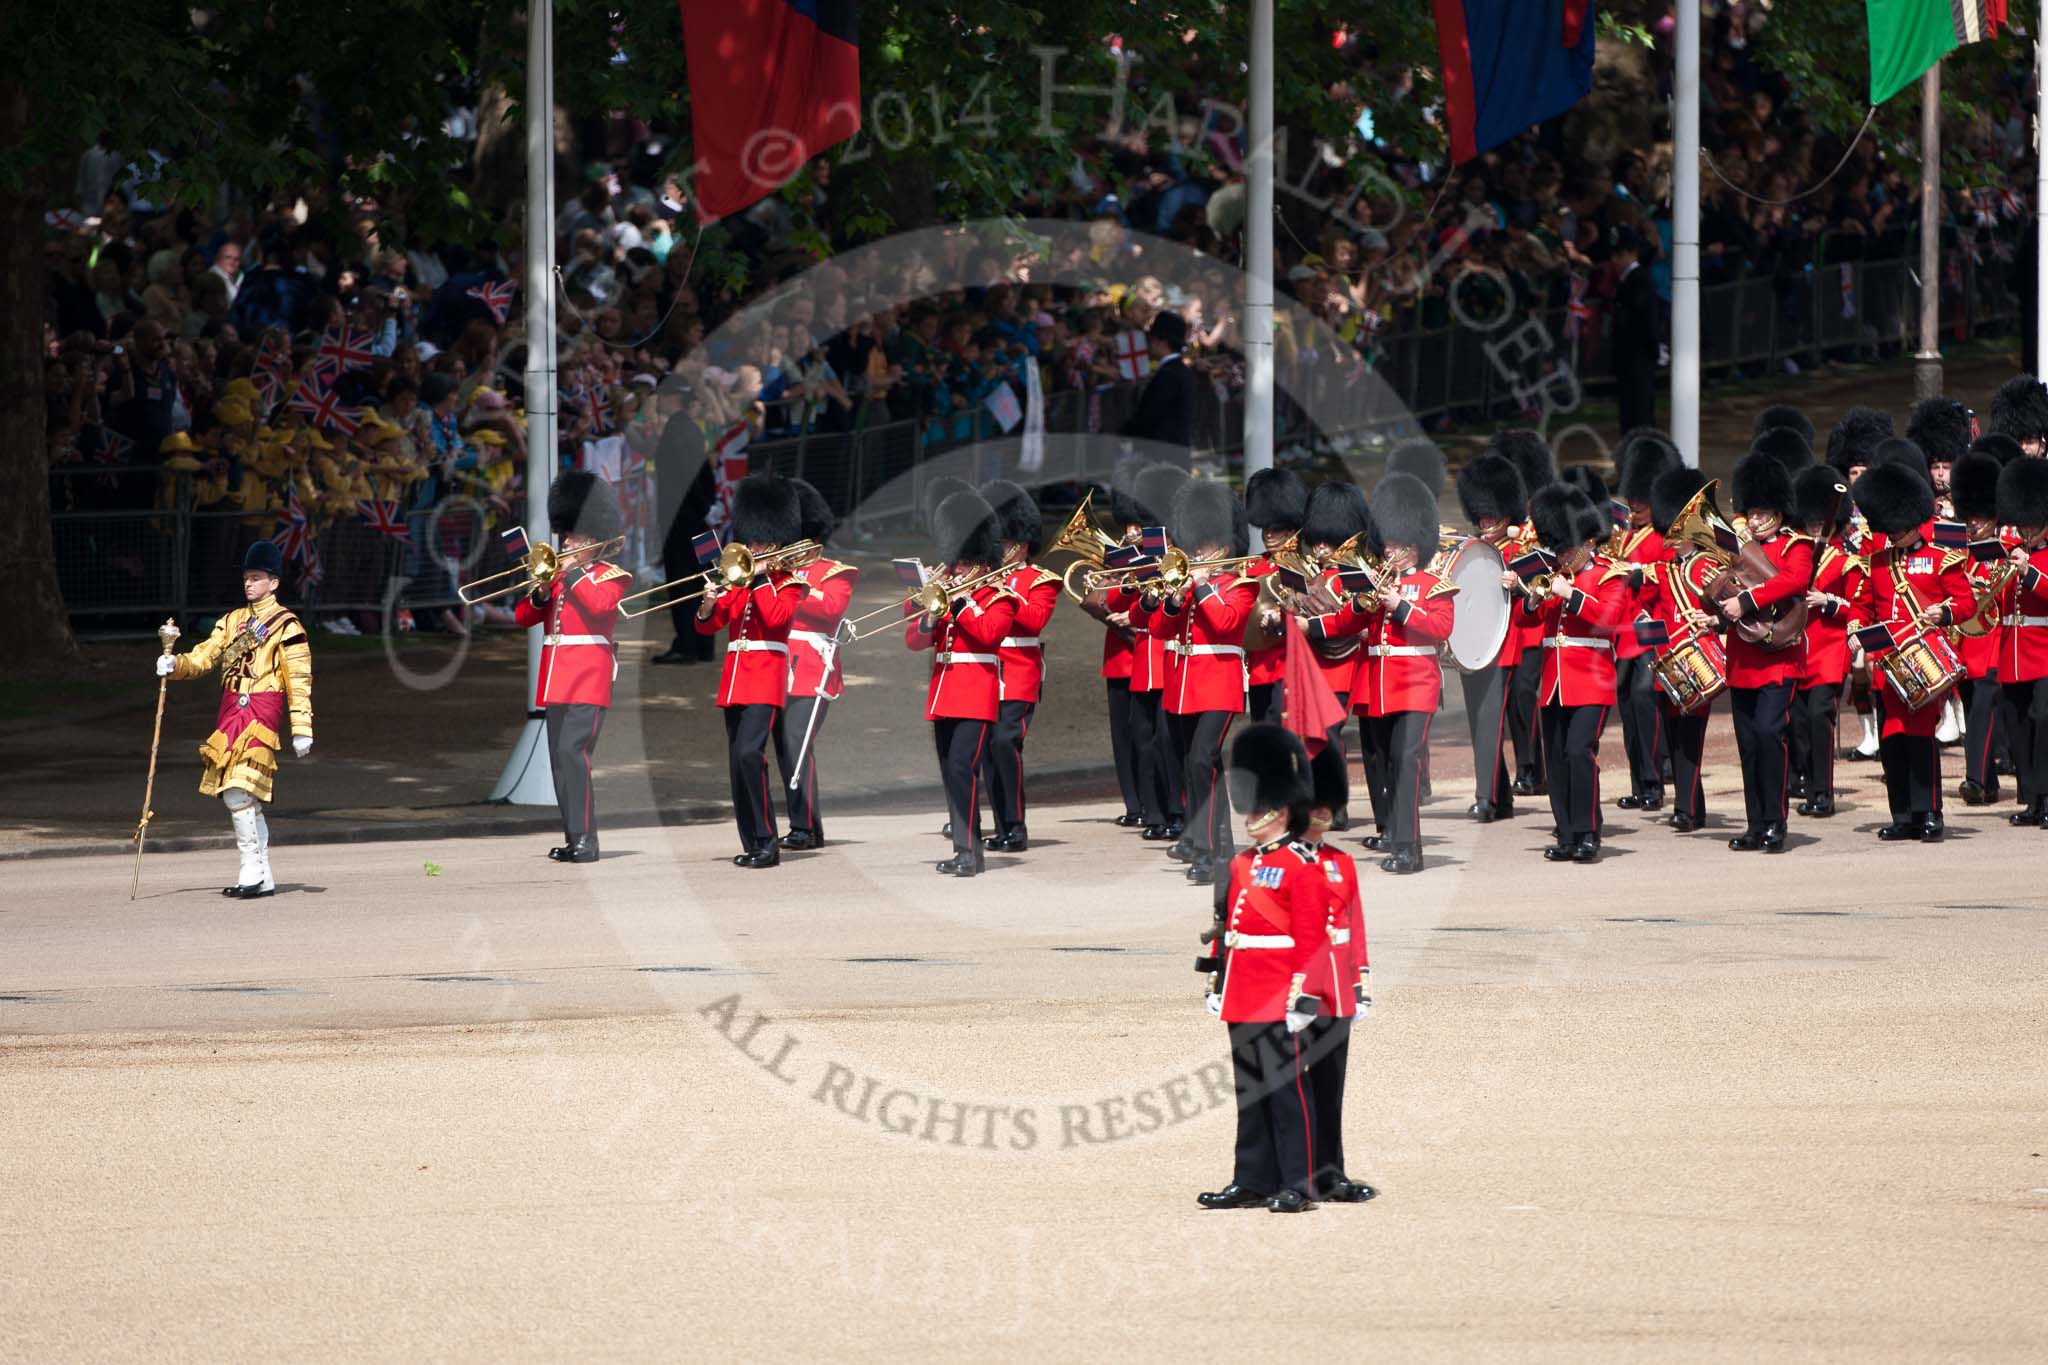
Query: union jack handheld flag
[(294, 537), (497, 297), (322, 407), (383, 515), (343, 349)]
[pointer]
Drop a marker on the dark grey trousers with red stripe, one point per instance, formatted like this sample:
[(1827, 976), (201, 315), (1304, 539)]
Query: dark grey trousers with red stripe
[(1275, 1110), (960, 745), (572, 737), (747, 729), (1002, 768), (800, 784)]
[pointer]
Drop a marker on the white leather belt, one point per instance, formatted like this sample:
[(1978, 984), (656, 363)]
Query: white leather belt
[(1022, 642), (751, 646), (1340, 936), (2030, 621), (815, 639), (1402, 651), (1175, 647), (1576, 642), (1238, 650), (949, 657), (575, 640), (1234, 939)]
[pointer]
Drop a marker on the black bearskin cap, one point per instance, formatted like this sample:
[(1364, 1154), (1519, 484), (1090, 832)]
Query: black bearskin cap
[(1530, 454), (1491, 486), (1642, 461), (1855, 437), (1587, 480), (938, 490), (2022, 493), (264, 557), (1404, 513), (1204, 513), (1999, 447), (814, 514), (1819, 495), (766, 511), (1336, 512), (1941, 428), (1564, 518), (1669, 495), (1784, 415), (2020, 408), (1021, 520), (1422, 459), (580, 503), (1894, 498), (1154, 489), (966, 530), (1899, 450), (1275, 500), (1269, 770), (1973, 487), (1760, 484), (1785, 445)]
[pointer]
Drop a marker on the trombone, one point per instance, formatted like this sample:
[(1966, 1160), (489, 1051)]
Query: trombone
[(1174, 568), (537, 569), (931, 599), (736, 565)]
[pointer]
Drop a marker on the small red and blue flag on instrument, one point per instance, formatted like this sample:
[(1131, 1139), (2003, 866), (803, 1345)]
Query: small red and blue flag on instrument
[(706, 547), (1652, 633), (1951, 535), (1152, 541), (1508, 65), (515, 542)]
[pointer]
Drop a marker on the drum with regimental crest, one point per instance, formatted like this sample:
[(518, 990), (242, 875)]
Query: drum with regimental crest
[(1921, 669), (1693, 671)]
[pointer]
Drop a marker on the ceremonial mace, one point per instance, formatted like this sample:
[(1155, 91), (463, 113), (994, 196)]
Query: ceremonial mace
[(167, 633)]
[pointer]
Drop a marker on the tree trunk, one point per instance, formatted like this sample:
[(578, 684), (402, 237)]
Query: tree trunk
[(39, 627)]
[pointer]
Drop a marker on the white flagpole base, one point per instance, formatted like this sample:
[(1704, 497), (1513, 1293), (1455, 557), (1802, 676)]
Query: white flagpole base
[(528, 779)]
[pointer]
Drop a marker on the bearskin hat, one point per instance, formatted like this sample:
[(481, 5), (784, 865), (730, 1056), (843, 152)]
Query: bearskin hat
[(1404, 513), (1894, 498), (1154, 490), (1564, 517), (1973, 487), (966, 530), (766, 511), (1783, 415), (1941, 428), (1530, 454), (1023, 524), (1587, 480), (1999, 447), (581, 503), (813, 512), (1275, 500), (2022, 494), (1669, 495), (2020, 408), (1899, 450), (1642, 460), (938, 490), (264, 557), (1204, 513), (1818, 495), (1269, 770), (1760, 484), (1422, 459), (1856, 436), (1490, 486), (1792, 451), (1336, 512)]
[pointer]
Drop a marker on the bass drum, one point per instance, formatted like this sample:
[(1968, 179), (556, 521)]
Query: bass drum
[(1483, 608)]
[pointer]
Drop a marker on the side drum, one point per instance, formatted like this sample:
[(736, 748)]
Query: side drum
[(1693, 672)]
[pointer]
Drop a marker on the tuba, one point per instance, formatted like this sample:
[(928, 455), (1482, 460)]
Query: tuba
[(1744, 566)]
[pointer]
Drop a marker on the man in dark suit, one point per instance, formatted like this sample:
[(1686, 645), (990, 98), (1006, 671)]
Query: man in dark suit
[(1637, 334), (1166, 409), (684, 491)]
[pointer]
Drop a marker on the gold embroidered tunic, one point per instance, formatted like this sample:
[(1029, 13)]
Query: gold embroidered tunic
[(266, 669)]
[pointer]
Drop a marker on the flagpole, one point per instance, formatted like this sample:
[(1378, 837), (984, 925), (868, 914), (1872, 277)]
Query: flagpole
[(1685, 236), (527, 779), (1927, 361), (1258, 248), (2040, 187)]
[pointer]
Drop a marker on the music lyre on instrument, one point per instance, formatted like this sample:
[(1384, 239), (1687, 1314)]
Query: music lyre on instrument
[(736, 565), (539, 567)]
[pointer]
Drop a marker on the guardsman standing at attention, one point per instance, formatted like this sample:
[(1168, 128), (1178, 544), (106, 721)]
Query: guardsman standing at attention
[(1274, 909), (815, 677), (1645, 457), (266, 670), (1490, 491), (753, 680), (1023, 654), (2023, 640), (1579, 618), (965, 636), (1342, 980), (578, 658)]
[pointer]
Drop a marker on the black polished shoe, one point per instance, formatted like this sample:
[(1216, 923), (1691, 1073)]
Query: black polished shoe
[(1932, 828), (946, 830), (1181, 851), (1156, 833), (1129, 821), (561, 853), (798, 840), (1976, 794), (1232, 1196), (1558, 853), (257, 891), (963, 865), (1820, 805), (1402, 861), (1349, 1191), (2028, 815), (768, 855), (1340, 819), (1633, 801), (582, 849), (1749, 841), (1771, 838), (1202, 872), (1376, 842), (1016, 841), (1651, 799), (1525, 785), (1900, 831), (1485, 812), (1586, 849), (1289, 1201), (1683, 824)]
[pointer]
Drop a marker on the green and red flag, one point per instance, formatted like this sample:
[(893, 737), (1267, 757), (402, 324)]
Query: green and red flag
[(1908, 36)]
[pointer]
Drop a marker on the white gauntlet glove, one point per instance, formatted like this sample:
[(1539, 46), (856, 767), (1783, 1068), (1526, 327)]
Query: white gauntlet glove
[(1363, 989), (302, 745), (166, 665), (1301, 1014), (1214, 1004)]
